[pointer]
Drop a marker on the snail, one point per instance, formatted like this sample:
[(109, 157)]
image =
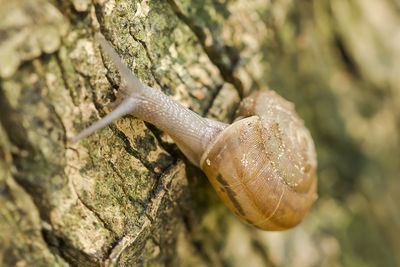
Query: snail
[(263, 165)]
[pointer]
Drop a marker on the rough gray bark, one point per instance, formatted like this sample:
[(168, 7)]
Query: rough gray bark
[(126, 196)]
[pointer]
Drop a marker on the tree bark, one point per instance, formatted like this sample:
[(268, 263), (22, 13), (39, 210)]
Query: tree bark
[(126, 195)]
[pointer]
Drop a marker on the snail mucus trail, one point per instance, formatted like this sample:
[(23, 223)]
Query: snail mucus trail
[(263, 165)]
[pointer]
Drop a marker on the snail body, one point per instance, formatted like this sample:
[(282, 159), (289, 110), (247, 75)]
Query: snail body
[(263, 165)]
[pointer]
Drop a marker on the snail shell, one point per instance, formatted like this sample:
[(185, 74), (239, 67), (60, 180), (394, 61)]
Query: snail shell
[(263, 165)]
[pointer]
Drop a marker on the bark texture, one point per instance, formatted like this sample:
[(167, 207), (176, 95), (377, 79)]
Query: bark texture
[(126, 196)]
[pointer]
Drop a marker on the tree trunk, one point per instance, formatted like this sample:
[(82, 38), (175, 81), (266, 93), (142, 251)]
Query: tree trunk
[(126, 195)]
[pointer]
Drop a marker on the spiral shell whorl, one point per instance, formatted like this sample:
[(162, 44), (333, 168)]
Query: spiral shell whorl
[(264, 166)]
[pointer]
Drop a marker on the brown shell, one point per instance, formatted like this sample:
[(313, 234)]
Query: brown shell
[(264, 166)]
